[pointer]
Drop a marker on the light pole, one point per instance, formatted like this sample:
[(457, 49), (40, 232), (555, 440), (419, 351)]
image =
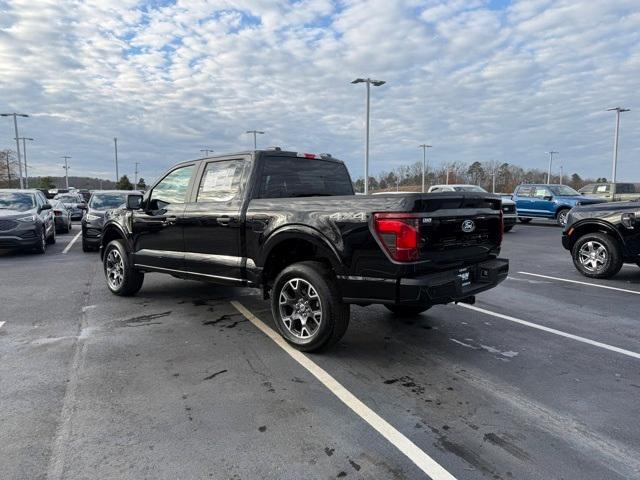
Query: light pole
[(618, 111), (551, 154), (24, 154), (375, 83), (15, 126), (135, 176), (424, 147), (6, 156), (255, 137), (66, 171), (206, 151), (115, 145)]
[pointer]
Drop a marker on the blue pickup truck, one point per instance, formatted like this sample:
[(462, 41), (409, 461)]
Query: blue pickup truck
[(548, 201)]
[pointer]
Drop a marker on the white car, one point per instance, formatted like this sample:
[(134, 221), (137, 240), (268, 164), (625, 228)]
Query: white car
[(509, 211)]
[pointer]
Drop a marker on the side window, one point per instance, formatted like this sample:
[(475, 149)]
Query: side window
[(602, 188), (524, 192), (221, 181), (171, 189), (541, 192)]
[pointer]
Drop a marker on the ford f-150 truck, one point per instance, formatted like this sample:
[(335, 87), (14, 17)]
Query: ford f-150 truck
[(290, 223)]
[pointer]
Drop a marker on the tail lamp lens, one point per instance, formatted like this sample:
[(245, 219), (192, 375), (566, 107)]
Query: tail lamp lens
[(399, 234)]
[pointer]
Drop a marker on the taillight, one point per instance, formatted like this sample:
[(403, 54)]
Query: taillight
[(399, 234)]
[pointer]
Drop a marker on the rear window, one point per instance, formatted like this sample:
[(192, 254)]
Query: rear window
[(284, 177)]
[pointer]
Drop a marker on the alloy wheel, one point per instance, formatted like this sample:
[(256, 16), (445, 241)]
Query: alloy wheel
[(300, 308), (593, 256), (115, 269)]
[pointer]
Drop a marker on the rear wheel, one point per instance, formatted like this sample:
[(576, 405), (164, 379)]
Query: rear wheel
[(524, 220), (406, 310), (122, 278), (597, 255), (307, 307), (561, 216)]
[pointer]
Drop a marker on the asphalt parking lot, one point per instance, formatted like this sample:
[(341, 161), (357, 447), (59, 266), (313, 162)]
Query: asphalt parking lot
[(539, 379)]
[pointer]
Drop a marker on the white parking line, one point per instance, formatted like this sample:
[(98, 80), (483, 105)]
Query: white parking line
[(423, 461), (581, 283), (66, 249), (1, 324), (611, 348)]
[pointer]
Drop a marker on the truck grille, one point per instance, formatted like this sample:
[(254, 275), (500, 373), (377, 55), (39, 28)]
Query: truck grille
[(7, 225)]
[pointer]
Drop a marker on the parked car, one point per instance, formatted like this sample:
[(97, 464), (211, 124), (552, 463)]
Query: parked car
[(26, 220), (86, 194), (74, 203), (603, 237), (548, 201), (99, 203), (290, 224), (61, 215), (623, 191), (509, 211)]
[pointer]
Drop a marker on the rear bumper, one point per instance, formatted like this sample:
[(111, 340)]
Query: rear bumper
[(436, 288)]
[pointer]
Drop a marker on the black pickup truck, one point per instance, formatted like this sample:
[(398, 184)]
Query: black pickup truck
[(290, 223), (602, 237)]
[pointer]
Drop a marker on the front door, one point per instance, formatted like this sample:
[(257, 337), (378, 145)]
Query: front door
[(213, 222), (523, 200), (157, 227), (543, 205)]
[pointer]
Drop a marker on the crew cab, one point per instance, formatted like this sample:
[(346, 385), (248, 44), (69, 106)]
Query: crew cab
[(509, 210), (548, 201), (290, 224), (612, 192), (601, 238)]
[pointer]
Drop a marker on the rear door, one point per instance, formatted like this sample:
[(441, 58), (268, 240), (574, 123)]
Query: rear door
[(522, 197), (157, 228), (213, 221)]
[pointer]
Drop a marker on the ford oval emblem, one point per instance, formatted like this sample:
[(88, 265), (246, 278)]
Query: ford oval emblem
[(468, 226)]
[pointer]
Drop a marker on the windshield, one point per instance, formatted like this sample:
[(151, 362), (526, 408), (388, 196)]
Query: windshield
[(285, 177), (105, 201), (562, 190), (469, 188), (17, 201)]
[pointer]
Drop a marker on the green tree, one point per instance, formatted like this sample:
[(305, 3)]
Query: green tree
[(141, 184), (124, 183), (46, 183)]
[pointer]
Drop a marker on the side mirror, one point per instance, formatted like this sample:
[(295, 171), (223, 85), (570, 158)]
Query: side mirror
[(46, 206), (548, 197), (134, 201)]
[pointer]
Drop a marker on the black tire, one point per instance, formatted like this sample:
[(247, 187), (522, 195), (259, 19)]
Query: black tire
[(52, 238), (561, 216), (508, 228), (407, 311), (130, 279), (598, 266), (66, 228), (524, 220), (334, 315), (42, 246)]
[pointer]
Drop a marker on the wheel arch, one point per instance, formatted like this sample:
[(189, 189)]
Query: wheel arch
[(294, 244), (112, 232), (582, 228)]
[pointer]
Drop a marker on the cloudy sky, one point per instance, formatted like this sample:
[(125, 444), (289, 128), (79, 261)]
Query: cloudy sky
[(477, 79)]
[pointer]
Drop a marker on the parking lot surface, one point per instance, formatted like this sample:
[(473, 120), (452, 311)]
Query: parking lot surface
[(539, 379)]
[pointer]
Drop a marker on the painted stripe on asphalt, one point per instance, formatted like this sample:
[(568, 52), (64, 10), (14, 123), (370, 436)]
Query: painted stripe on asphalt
[(423, 461), (588, 341), (66, 249), (582, 283), (1, 324)]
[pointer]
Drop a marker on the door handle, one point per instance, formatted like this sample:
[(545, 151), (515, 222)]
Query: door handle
[(170, 220), (224, 220)]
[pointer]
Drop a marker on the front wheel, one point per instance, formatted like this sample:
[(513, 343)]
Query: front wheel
[(561, 216), (122, 278), (407, 310), (307, 307), (41, 247), (52, 238), (597, 255)]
